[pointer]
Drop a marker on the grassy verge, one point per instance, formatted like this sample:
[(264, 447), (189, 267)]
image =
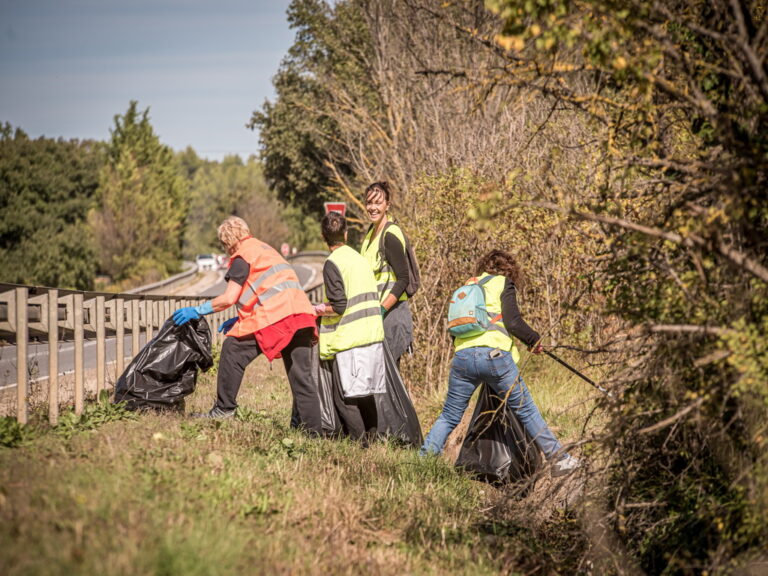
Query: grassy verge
[(163, 494)]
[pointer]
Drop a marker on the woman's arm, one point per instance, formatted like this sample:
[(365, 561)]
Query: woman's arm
[(228, 298), (513, 320), (394, 254)]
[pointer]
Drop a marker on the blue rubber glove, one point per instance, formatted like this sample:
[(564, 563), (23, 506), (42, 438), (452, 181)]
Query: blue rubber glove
[(184, 315), (226, 326), (383, 311)]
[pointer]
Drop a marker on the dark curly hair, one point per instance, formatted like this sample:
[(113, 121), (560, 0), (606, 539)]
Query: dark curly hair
[(499, 262), (333, 227), (376, 187)]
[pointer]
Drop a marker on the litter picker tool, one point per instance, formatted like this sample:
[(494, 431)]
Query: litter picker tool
[(579, 374)]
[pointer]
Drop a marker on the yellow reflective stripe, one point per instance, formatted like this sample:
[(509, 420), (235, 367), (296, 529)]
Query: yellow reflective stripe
[(347, 318), (365, 297), (276, 289), (250, 289)]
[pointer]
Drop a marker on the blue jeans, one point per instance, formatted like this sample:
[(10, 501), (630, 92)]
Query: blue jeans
[(471, 367)]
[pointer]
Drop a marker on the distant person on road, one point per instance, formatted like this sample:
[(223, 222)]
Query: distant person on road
[(274, 318), (492, 357), (387, 258), (351, 331)]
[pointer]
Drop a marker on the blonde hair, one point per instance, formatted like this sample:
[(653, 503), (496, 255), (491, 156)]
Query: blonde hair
[(231, 231)]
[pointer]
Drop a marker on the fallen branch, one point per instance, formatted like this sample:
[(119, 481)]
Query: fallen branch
[(672, 419)]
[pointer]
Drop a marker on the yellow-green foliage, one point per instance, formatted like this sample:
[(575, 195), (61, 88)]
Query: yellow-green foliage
[(456, 219)]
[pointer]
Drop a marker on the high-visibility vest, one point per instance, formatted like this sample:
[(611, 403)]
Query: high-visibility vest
[(271, 292), (496, 336), (360, 324), (382, 271)]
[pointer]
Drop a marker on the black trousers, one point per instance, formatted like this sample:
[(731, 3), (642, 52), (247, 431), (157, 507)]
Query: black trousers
[(358, 416), (237, 353)]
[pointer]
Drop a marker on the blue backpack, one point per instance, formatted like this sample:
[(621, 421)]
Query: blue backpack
[(467, 315)]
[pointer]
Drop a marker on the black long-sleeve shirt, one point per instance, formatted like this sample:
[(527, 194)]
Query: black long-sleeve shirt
[(394, 253), (513, 320), (334, 287)]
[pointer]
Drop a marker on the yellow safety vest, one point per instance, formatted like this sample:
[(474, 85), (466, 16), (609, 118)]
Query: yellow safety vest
[(382, 271), (496, 335), (361, 323)]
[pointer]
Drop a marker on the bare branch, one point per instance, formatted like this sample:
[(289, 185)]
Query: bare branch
[(672, 419), (689, 329), (734, 256)]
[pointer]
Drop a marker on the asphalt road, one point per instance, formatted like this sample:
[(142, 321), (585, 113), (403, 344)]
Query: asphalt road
[(307, 274), (208, 284)]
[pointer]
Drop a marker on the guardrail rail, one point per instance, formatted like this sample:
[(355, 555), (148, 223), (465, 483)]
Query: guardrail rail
[(38, 315)]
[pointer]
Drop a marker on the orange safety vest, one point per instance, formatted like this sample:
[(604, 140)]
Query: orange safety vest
[(271, 292)]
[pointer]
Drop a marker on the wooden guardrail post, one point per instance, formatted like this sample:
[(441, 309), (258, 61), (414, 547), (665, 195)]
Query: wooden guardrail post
[(101, 345), (135, 329), (22, 336), (77, 320), (53, 357), (149, 315), (119, 321)]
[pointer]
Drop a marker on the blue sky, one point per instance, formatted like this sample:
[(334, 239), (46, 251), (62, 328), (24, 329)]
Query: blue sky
[(67, 67)]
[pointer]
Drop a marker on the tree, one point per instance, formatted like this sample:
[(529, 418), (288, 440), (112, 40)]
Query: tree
[(620, 146), (143, 203), (682, 89), (231, 187), (303, 150), (46, 189)]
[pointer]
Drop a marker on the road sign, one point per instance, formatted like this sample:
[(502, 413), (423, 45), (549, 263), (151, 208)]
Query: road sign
[(340, 207)]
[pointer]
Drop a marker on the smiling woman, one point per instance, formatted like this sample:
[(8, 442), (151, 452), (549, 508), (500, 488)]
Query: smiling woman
[(384, 247)]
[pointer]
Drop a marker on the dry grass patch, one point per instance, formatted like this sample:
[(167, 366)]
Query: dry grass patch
[(165, 494)]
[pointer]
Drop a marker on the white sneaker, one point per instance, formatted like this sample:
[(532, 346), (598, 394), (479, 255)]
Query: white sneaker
[(565, 465)]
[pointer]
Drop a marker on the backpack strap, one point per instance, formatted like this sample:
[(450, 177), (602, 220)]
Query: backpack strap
[(498, 317), (381, 238)]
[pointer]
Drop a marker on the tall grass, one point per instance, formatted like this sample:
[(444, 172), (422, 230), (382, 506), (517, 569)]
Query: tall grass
[(165, 494)]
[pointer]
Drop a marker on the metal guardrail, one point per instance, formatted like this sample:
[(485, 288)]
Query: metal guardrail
[(315, 292), (190, 270), (52, 315)]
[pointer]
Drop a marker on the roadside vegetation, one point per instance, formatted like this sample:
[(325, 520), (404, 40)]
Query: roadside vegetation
[(617, 147), (165, 494), (115, 215)]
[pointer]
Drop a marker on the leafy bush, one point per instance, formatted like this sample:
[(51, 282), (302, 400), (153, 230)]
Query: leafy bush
[(11, 432), (94, 415)]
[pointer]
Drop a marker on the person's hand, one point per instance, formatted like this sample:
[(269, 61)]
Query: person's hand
[(184, 315), (319, 308), (226, 326), (538, 349), (383, 311)]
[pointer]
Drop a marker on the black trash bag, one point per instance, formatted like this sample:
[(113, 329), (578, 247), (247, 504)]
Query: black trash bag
[(329, 418), (165, 370), (497, 448), (322, 374), (396, 415)]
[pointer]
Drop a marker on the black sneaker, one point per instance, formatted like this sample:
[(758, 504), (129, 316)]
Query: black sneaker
[(214, 413)]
